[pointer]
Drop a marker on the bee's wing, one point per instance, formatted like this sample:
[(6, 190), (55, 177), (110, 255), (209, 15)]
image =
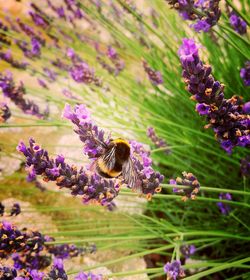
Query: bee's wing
[(109, 158), (130, 176)]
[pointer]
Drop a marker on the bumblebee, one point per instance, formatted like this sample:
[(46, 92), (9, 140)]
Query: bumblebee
[(116, 161)]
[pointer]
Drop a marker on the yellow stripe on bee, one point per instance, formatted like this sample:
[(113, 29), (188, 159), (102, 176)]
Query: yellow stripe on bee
[(104, 169), (113, 173), (122, 141), (102, 166)]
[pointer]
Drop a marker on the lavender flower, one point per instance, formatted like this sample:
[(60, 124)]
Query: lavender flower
[(82, 73), (246, 108), (245, 166), (154, 76), (187, 250), (7, 56), (238, 23), (205, 13), (88, 132), (7, 273), (92, 137), (245, 73), (224, 208), (16, 94), (91, 187), (147, 178), (116, 60), (42, 83), (51, 75), (88, 276), (225, 116), (174, 270), (39, 17), (15, 210), (57, 271), (5, 113), (159, 143), (188, 180), (12, 240), (29, 31), (3, 37), (34, 51), (65, 251), (67, 93)]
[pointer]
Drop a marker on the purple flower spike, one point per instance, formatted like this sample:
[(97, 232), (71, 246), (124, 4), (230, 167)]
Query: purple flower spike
[(225, 116), (154, 76), (16, 94), (187, 250), (15, 210), (245, 74), (159, 143), (188, 180), (205, 13), (5, 113), (88, 132), (92, 187), (224, 208), (245, 166), (88, 276), (174, 270), (238, 23)]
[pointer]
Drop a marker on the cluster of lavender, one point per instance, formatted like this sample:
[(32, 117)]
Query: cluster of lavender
[(118, 63), (29, 250), (245, 73), (191, 183), (39, 17), (91, 187), (225, 116), (66, 251), (224, 208), (238, 23), (147, 179), (3, 37), (14, 211), (245, 166), (80, 70), (5, 113), (154, 76), (92, 137), (174, 270), (205, 13), (57, 271), (88, 132), (158, 142), (7, 57), (16, 94), (187, 250), (32, 50)]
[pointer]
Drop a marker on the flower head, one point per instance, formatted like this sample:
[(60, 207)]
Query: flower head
[(174, 270), (191, 183), (159, 143), (245, 166), (238, 23), (15, 210), (154, 76), (187, 250), (226, 116), (224, 208), (5, 113), (88, 276), (245, 74)]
